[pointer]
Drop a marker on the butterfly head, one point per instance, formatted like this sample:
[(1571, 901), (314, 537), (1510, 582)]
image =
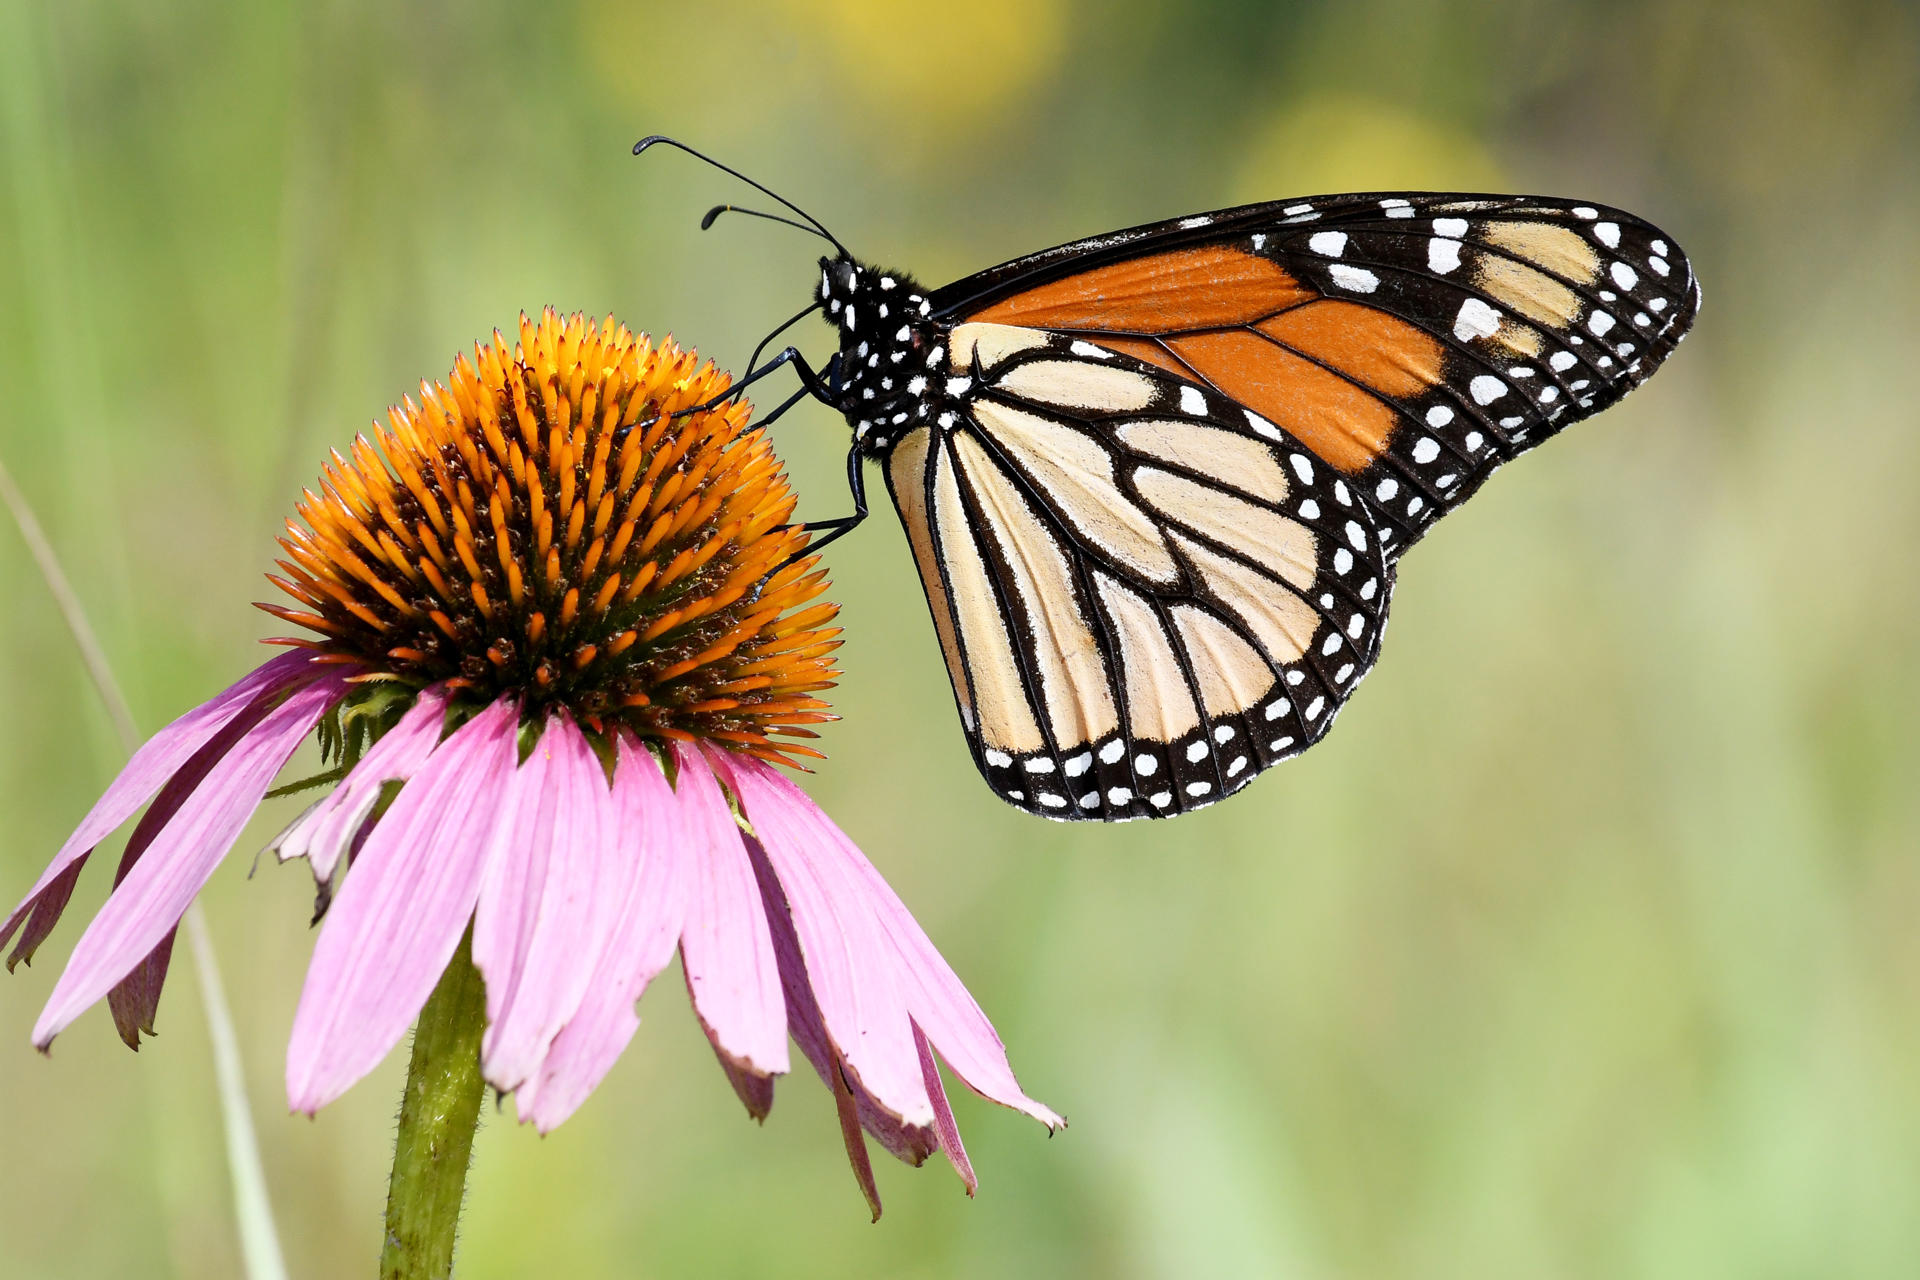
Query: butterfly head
[(890, 348)]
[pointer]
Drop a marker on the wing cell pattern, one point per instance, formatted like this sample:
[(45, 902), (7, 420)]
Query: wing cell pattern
[(1412, 342), (1144, 596)]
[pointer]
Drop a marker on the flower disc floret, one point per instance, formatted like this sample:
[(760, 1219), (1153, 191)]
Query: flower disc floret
[(548, 525)]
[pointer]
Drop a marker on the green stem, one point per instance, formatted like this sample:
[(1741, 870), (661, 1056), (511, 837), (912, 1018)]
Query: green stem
[(438, 1114)]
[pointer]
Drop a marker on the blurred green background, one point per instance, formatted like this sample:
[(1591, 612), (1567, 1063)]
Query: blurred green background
[(1586, 946)]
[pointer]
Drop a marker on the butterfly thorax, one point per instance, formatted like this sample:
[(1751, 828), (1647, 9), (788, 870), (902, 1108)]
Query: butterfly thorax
[(891, 373)]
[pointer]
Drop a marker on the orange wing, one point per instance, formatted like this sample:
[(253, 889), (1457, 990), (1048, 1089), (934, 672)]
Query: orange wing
[(1241, 323), (1413, 342)]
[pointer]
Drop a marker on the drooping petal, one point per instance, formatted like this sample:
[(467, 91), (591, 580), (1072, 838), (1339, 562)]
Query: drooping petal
[(943, 1119), (844, 1102), (323, 833), (725, 947), (562, 926), (135, 1000), (156, 761), (147, 905), (402, 911), (850, 961), (907, 1142), (648, 839)]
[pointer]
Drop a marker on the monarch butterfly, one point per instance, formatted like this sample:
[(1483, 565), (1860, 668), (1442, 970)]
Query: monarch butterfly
[(1157, 482)]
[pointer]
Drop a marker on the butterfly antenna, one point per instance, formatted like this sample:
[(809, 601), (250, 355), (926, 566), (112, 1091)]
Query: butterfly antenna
[(675, 143), (713, 216)]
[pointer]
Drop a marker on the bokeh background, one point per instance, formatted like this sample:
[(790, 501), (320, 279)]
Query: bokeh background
[(1586, 946)]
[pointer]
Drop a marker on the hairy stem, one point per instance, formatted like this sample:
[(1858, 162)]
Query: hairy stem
[(438, 1115)]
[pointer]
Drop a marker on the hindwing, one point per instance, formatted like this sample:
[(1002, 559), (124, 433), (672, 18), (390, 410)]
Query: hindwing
[(1146, 592)]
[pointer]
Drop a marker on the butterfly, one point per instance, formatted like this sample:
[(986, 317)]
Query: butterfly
[(1157, 483)]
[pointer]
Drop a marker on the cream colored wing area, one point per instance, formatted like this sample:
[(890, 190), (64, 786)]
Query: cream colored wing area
[(1006, 719), (1079, 384), (1283, 622), (1232, 676), (1077, 474), (989, 344), (1159, 705), (907, 474), (1067, 664), (1284, 546), (1225, 457)]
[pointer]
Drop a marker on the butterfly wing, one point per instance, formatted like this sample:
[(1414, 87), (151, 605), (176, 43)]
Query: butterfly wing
[(1412, 342), (1145, 592)]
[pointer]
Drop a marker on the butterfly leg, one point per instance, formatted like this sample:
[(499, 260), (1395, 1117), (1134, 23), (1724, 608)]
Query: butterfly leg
[(811, 383), (839, 526)]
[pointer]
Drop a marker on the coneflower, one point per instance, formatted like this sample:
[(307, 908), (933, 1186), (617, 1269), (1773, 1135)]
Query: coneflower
[(561, 634)]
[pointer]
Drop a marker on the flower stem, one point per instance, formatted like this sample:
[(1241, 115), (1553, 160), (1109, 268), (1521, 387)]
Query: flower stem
[(438, 1114)]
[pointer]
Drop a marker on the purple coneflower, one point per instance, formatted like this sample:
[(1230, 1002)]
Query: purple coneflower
[(580, 632)]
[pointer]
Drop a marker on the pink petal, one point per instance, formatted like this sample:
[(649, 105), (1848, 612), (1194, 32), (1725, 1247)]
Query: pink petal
[(850, 962), (135, 1000), (844, 1095), (538, 953), (323, 833), (150, 901), (724, 945), (907, 1142), (401, 913), (144, 774), (648, 838), (943, 1114)]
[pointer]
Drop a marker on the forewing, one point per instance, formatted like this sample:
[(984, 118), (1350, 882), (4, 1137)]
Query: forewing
[(1412, 342), (1145, 593)]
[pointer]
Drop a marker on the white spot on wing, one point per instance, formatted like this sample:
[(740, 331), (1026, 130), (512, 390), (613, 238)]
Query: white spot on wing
[(1486, 388), (1328, 244), (1193, 402), (1476, 320), (1357, 279), (1443, 255)]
